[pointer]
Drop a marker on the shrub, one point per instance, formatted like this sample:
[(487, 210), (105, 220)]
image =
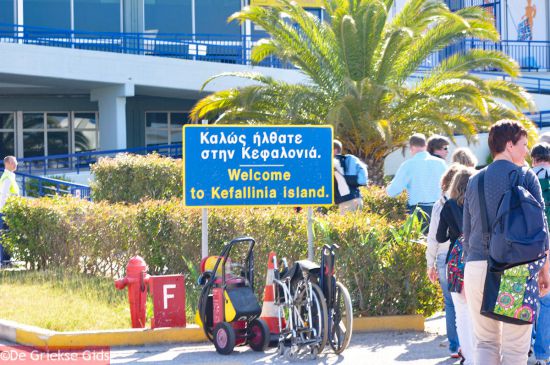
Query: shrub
[(376, 200), (378, 261), (130, 178)]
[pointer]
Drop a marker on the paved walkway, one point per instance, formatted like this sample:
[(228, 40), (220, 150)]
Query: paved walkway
[(382, 348)]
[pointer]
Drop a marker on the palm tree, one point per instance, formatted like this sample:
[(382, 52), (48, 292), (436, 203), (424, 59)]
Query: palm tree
[(364, 72)]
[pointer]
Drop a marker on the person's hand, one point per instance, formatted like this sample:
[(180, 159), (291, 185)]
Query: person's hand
[(544, 282), (432, 274)]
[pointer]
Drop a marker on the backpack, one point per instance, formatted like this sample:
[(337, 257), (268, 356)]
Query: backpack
[(545, 187), (355, 171), (455, 258), (518, 235), (455, 266)]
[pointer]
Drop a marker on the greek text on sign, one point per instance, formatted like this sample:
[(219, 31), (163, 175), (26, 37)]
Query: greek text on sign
[(257, 165)]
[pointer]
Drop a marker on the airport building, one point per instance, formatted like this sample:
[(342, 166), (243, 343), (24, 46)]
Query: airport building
[(84, 75)]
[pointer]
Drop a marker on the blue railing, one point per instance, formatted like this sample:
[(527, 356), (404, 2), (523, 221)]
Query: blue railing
[(541, 119), (46, 165), (201, 47), (38, 186), (236, 49)]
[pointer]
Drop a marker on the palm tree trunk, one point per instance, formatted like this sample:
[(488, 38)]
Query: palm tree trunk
[(376, 170)]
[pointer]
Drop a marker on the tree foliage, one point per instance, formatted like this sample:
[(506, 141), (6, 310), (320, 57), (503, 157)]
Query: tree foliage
[(366, 77)]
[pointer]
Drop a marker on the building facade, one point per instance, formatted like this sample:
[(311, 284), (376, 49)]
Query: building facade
[(80, 75)]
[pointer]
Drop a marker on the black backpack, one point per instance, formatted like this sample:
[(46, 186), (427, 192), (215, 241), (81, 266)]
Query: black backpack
[(518, 235)]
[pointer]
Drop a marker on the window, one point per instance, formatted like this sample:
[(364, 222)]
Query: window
[(211, 17), (85, 132), (6, 11), (58, 133), (33, 135), (97, 15), (7, 134), (168, 16), (47, 13), (164, 127)]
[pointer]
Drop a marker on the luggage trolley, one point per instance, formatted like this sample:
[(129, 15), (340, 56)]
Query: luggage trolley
[(228, 309)]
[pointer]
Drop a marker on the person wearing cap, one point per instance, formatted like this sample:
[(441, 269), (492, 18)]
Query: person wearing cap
[(540, 155)]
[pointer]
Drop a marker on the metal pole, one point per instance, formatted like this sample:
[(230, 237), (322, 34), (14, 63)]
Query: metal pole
[(310, 253), (204, 249), (204, 245)]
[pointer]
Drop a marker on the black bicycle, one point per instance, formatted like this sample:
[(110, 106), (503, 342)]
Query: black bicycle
[(338, 300)]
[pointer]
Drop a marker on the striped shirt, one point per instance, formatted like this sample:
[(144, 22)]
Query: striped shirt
[(420, 176)]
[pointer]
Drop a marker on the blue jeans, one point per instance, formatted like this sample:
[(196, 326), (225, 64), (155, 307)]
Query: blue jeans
[(450, 315), (425, 219), (542, 336)]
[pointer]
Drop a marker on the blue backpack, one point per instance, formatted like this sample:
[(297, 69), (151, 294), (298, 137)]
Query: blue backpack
[(519, 234), (355, 169)]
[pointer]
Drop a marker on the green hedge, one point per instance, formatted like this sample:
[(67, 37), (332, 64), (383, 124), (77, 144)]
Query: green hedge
[(130, 178), (383, 269)]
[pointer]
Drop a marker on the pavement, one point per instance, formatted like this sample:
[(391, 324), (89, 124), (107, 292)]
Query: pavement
[(378, 348)]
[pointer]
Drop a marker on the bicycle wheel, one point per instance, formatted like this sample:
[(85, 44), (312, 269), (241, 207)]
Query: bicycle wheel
[(340, 320), (319, 315)]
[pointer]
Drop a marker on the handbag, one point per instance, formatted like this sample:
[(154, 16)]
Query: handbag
[(510, 295)]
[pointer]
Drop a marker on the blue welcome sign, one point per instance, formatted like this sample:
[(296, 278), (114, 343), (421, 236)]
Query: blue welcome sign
[(257, 165)]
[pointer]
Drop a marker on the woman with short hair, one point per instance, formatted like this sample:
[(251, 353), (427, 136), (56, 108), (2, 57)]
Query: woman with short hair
[(497, 343)]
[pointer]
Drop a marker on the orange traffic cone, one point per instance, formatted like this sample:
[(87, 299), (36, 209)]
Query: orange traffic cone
[(270, 311)]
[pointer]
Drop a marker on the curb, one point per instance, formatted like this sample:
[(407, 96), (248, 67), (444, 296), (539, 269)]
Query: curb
[(51, 340), (389, 323)]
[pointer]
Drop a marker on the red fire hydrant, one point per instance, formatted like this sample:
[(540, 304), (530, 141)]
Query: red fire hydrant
[(136, 279)]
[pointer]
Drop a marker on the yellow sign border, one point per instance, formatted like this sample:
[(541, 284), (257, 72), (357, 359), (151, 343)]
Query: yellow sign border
[(252, 126)]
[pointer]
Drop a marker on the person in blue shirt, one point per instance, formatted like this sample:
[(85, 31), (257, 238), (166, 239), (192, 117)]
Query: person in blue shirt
[(420, 176)]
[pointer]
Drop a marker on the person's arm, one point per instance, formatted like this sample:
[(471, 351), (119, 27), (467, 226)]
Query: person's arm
[(431, 249), (442, 234), (533, 185), (399, 182), (544, 277), (4, 192), (466, 224)]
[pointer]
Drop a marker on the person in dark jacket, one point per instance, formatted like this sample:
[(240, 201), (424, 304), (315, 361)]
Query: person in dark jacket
[(450, 228), (496, 342)]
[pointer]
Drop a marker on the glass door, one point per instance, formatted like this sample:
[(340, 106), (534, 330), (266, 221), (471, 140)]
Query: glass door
[(7, 134)]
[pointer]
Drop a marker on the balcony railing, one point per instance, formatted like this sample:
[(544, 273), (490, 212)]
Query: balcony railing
[(233, 49), (531, 55), (541, 119)]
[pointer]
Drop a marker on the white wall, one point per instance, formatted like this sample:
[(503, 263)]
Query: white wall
[(480, 149)]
